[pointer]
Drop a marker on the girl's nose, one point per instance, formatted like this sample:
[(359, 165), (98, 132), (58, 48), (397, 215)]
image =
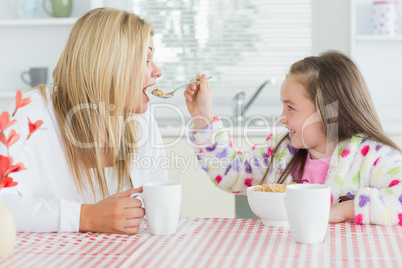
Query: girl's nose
[(283, 119)]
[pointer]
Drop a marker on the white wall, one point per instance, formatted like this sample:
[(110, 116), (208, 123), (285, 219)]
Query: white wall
[(336, 32), (22, 47)]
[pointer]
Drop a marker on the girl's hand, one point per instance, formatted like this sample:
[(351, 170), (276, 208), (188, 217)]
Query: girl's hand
[(341, 212), (118, 214), (199, 102)]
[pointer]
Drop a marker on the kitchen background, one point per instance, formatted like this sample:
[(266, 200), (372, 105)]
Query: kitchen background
[(242, 43)]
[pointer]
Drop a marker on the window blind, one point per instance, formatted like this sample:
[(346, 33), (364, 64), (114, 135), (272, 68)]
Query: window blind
[(240, 42)]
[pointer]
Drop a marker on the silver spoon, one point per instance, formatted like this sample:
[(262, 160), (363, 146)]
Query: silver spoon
[(170, 94)]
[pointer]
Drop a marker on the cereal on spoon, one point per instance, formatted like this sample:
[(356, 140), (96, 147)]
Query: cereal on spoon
[(158, 92)]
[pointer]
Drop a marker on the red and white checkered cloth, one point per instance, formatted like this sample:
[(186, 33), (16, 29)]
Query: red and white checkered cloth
[(202, 242)]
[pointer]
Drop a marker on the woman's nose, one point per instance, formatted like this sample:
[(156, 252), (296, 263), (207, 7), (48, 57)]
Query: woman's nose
[(157, 72)]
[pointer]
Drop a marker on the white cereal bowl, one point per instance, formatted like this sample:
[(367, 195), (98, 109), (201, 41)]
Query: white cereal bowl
[(269, 207)]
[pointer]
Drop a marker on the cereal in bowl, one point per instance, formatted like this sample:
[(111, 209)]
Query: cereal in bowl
[(272, 188)]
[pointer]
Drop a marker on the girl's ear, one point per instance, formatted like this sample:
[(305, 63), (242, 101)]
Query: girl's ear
[(331, 113)]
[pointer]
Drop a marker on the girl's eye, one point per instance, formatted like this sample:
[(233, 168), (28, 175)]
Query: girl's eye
[(290, 108)]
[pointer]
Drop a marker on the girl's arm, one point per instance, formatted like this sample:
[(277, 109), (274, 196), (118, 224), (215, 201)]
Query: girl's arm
[(229, 168), (341, 212), (380, 202)]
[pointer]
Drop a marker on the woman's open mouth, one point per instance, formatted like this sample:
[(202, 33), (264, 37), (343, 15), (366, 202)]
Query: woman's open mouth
[(144, 91)]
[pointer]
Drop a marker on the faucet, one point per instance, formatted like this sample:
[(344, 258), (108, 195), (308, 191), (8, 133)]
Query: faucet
[(239, 109)]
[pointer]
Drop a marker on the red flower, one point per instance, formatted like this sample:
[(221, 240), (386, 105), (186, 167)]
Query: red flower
[(6, 162), (7, 167), (34, 126), (20, 102), (12, 138), (5, 121), (7, 182)]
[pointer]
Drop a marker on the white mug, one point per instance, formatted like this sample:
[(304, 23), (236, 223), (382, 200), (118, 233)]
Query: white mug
[(162, 202), (308, 207)]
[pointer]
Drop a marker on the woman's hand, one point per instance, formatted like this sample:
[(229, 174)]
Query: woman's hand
[(118, 214), (341, 212), (199, 102)]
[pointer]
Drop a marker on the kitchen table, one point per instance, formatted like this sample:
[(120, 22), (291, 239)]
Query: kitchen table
[(212, 242)]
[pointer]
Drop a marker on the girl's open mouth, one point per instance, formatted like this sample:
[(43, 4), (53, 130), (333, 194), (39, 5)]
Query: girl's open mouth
[(291, 133)]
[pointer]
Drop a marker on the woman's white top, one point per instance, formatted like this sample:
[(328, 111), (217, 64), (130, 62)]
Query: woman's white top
[(46, 199)]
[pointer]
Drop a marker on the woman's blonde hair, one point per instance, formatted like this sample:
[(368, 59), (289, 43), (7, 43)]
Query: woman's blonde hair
[(340, 95), (102, 65)]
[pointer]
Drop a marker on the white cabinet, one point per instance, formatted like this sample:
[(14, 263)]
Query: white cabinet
[(379, 58), (26, 43), (200, 197)]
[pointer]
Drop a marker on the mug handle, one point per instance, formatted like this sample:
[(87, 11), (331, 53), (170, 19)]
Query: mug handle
[(45, 8), (23, 74), (140, 197)]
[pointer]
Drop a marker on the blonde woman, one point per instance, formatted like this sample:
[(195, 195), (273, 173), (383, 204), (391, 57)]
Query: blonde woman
[(81, 167)]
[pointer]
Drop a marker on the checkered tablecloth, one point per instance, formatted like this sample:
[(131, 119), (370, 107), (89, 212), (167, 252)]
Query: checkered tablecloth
[(202, 242)]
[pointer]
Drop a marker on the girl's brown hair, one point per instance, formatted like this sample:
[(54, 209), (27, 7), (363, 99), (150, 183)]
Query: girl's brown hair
[(341, 97)]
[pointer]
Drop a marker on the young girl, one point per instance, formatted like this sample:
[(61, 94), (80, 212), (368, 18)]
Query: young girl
[(79, 173), (335, 138)]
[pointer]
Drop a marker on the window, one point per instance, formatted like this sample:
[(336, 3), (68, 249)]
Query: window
[(240, 42)]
